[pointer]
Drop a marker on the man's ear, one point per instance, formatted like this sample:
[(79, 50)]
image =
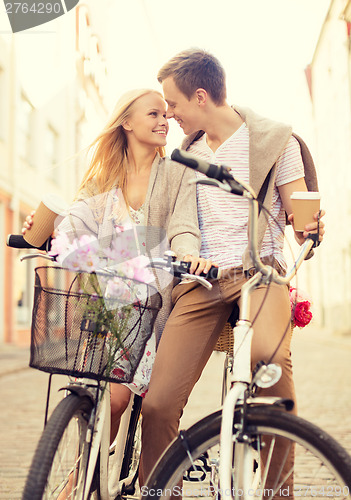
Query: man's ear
[(201, 96)]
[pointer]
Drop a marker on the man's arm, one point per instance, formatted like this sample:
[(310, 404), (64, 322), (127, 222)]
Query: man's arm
[(285, 191)]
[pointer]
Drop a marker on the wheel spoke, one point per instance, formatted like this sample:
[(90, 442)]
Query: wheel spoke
[(290, 457), (58, 470)]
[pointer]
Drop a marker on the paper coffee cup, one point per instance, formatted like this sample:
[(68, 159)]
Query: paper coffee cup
[(48, 214), (304, 205)]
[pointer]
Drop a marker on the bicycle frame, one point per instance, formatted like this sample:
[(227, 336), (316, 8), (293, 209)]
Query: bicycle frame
[(241, 377), (111, 457)]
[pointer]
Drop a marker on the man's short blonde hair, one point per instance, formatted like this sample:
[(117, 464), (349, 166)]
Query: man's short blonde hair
[(193, 69)]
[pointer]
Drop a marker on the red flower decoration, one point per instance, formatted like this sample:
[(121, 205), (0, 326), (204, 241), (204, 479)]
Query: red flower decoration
[(302, 313), (118, 372)]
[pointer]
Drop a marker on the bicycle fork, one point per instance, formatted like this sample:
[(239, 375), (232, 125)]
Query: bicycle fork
[(242, 484), (243, 334)]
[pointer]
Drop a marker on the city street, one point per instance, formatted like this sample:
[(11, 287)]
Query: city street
[(322, 375), (260, 89)]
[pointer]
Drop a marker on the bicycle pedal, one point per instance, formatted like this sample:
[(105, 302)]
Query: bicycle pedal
[(128, 490), (198, 472)]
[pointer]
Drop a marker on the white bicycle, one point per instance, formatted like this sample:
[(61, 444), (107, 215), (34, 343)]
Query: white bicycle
[(231, 452), (74, 458)]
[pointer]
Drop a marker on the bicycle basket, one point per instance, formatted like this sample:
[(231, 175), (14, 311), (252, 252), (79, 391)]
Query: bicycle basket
[(79, 329)]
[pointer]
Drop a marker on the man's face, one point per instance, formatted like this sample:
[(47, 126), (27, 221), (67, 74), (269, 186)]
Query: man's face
[(186, 112)]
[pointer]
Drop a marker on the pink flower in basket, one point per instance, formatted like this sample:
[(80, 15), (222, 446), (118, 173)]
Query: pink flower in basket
[(79, 255), (111, 284), (301, 314)]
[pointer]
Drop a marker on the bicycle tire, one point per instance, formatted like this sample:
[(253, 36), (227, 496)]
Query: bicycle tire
[(56, 453), (202, 439), (132, 451)]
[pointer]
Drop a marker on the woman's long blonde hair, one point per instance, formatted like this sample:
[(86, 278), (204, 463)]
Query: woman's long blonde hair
[(108, 166)]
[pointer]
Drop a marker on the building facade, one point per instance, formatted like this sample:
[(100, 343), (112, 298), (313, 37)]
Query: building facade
[(51, 104), (330, 88)]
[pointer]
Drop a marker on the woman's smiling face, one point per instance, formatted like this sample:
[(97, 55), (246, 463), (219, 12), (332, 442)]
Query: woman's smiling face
[(147, 123)]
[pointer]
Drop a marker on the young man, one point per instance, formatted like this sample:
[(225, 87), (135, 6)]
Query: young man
[(266, 155)]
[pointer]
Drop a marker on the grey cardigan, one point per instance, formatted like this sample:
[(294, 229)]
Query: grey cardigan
[(171, 220), (267, 140)]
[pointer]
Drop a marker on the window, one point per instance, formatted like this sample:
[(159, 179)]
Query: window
[(52, 152), (23, 290), (2, 104), (23, 284), (25, 126)]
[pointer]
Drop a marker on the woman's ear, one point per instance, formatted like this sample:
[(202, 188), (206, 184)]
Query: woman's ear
[(126, 126)]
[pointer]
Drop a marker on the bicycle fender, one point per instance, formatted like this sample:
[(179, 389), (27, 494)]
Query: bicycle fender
[(288, 404), (78, 390)]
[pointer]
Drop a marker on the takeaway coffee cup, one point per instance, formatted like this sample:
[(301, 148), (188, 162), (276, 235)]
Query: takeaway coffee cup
[(304, 205), (48, 214)]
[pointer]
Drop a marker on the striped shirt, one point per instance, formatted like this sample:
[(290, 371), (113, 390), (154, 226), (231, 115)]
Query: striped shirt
[(223, 217)]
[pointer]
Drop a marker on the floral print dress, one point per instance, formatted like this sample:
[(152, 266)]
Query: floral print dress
[(141, 379)]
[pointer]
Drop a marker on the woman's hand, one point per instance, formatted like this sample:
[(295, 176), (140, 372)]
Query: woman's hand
[(309, 228), (199, 265), (27, 224)]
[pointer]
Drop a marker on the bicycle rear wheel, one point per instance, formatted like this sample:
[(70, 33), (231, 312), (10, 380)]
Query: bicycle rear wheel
[(322, 467), (130, 465), (60, 460)]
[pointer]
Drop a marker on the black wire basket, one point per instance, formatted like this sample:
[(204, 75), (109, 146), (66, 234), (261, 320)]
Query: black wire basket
[(90, 325)]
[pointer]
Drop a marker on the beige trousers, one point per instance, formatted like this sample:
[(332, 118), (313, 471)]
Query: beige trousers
[(187, 342)]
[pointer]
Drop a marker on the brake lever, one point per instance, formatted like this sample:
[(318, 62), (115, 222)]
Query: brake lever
[(194, 277), (210, 182), (35, 255)]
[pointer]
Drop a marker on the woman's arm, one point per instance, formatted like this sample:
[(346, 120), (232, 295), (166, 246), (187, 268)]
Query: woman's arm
[(183, 230), (183, 227), (79, 221)]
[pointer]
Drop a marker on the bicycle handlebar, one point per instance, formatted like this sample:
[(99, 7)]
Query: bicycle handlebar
[(221, 172), (223, 180), (18, 241), (180, 269)]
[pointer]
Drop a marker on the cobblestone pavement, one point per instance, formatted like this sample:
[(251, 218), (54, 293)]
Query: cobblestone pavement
[(322, 374)]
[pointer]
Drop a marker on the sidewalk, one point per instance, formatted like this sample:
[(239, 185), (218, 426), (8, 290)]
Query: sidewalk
[(13, 359)]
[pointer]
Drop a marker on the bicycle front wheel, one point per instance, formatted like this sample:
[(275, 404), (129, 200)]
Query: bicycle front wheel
[(322, 468), (59, 463)]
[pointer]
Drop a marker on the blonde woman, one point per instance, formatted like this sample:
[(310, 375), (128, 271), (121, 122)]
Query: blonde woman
[(131, 182)]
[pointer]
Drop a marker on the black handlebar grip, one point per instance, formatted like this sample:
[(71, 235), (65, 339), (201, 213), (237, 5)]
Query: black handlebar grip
[(17, 241), (219, 172), (213, 273), (209, 169), (185, 159)]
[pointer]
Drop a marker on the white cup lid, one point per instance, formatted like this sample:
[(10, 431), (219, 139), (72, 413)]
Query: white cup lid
[(305, 195), (56, 204)]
